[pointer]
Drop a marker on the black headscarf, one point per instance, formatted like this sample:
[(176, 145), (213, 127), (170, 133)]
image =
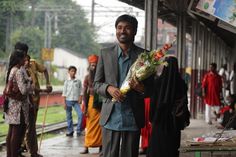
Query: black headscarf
[(168, 87)]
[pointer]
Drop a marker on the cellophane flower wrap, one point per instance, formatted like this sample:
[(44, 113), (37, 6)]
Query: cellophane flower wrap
[(145, 66)]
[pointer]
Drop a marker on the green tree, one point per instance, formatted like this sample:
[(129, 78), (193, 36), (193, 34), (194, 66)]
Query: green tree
[(33, 36), (76, 34), (11, 5), (8, 9), (74, 31)]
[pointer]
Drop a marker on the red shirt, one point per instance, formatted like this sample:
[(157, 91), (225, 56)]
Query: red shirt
[(224, 109), (212, 83)]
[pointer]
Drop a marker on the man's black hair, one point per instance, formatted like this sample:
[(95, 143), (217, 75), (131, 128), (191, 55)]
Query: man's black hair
[(15, 58), (21, 47), (214, 65), (72, 67), (128, 18)]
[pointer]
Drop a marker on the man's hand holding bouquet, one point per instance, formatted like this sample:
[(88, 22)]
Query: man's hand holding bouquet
[(146, 65)]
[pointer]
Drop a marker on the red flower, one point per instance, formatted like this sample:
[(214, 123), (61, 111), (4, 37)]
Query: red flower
[(141, 63), (158, 55), (167, 46)]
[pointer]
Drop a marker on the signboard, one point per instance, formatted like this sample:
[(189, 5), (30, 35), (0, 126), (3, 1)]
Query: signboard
[(222, 9), (226, 26), (193, 9), (47, 54)]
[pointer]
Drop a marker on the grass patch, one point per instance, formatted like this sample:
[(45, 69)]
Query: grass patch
[(3, 127), (55, 114)]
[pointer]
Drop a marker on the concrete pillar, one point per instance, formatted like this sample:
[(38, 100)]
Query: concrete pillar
[(213, 48), (181, 40), (151, 8), (205, 51), (208, 49), (194, 44), (201, 46), (232, 53), (221, 58), (201, 41), (226, 54), (218, 53), (193, 100)]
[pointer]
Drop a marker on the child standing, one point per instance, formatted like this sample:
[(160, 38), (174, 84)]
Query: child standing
[(72, 98)]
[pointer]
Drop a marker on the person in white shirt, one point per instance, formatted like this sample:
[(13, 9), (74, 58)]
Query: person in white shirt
[(225, 81), (72, 98), (232, 79)]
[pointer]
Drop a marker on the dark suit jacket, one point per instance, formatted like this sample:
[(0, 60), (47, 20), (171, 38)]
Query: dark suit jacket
[(107, 74)]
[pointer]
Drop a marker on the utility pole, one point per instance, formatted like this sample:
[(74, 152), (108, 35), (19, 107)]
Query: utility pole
[(48, 35), (92, 12), (47, 29), (9, 30), (56, 23)]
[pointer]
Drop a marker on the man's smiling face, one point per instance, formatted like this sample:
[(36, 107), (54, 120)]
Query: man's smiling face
[(125, 32)]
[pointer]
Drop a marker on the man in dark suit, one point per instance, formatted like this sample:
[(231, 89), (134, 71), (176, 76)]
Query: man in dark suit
[(121, 120)]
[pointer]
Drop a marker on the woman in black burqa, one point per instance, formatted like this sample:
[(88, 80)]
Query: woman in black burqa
[(166, 90)]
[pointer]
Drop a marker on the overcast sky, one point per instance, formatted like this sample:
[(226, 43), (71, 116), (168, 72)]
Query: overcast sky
[(106, 12)]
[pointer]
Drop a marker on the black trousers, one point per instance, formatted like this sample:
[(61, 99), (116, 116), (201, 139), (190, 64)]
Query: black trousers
[(31, 136), (164, 142), (14, 136), (120, 143)]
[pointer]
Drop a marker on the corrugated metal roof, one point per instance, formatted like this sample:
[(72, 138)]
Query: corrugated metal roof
[(168, 9)]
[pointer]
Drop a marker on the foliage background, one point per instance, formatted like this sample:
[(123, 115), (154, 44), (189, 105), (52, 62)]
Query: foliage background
[(23, 20)]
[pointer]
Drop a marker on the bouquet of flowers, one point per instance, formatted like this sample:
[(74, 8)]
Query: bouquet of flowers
[(145, 65)]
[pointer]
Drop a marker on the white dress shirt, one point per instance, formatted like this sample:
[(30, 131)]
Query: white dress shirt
[(72, 89)]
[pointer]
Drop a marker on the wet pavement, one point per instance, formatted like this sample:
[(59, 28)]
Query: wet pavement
[(62, 146)]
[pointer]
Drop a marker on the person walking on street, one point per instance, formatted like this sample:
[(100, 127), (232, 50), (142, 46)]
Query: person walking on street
[(72, 98), (223, 72), (212, 92), (122, 119), (232, 80)]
